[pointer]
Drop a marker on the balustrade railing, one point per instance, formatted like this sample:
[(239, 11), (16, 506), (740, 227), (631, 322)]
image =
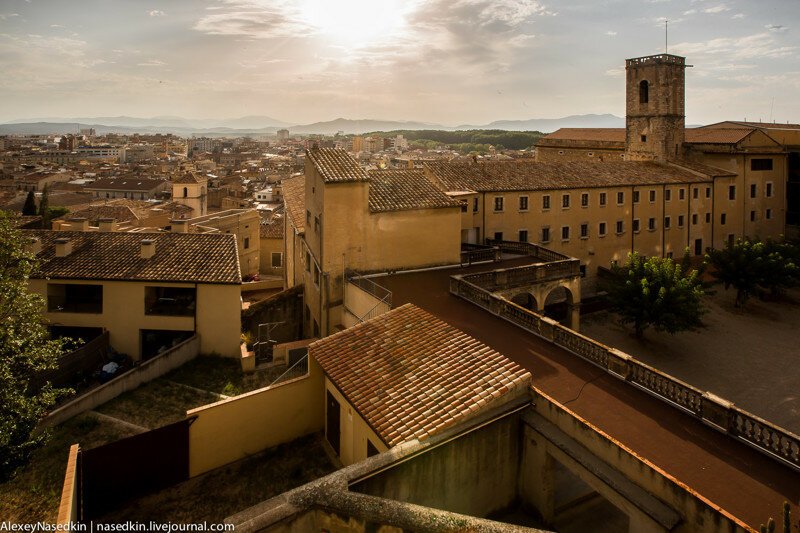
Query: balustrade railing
[(762, 435)]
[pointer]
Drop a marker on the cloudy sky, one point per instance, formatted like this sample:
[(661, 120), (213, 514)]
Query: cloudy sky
[(442, 61)]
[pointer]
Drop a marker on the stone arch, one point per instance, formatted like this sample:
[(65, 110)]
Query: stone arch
[(558, 302), (526, 300)]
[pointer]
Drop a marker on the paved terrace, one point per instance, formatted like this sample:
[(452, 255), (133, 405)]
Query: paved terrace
[(734, 476)]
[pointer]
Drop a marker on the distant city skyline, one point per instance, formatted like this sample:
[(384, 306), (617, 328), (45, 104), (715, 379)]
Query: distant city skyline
[(440, 61)]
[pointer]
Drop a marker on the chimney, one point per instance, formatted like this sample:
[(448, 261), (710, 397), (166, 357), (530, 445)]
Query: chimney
[(179, 226), (79, 224), (34, 245), (148, 248), (63, 247), (107, 225)]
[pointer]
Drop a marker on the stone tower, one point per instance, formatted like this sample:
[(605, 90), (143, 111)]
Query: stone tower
[(654, 110), (191, 190)]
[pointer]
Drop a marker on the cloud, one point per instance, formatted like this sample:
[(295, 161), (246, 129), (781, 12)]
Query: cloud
[(151, 63), (689, 12), (719, 8), (8, 16), (734, 49), (611, 33), (56, 26), (776, 27), (254, 20), (156, 13)]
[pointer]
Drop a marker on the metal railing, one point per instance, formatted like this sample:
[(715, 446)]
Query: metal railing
[(300, 368), (766, 437), (528, 248), (367, 285), (508, 278)]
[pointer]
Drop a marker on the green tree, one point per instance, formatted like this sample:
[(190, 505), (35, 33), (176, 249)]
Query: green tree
[(25, 351), (655, 292), (29, 209), (44, 208)]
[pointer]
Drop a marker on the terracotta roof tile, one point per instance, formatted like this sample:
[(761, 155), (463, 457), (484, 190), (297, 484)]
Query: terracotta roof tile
[(532, 176), (401, 190), (410, 375), (179, 257), (189, 177), (717, 135), (587, 134), (294, 198), (273, 230), (336, 165), (132, 183)]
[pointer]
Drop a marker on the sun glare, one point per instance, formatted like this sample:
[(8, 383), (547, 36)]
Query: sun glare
[(355, 22)]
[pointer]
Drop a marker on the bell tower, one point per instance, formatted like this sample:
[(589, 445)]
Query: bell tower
[(654, 109)]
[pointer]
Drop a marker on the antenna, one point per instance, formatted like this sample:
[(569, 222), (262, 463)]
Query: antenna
[(771, 107), (666, 36)]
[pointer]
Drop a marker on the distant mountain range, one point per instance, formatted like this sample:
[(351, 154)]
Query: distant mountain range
[(262, 125)]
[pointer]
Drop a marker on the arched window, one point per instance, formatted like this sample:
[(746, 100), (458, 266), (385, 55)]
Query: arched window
[(185, 192), (644, 92)]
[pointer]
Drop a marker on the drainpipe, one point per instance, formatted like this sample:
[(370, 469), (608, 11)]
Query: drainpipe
[(633, 233), (663, 216), (483, 229)]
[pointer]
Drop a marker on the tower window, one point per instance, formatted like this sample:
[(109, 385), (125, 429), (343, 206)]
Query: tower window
[(644, 138), (185, 192), (644, 92)]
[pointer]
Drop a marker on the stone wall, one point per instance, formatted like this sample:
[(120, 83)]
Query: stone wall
[(286, 307)]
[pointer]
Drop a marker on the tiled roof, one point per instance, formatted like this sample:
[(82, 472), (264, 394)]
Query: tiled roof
[(532, 176), (763, 125), (708, 170), (336, 165), (294, 198), (125, 184), (587, 134), (717, 135), (179, 257), (273, 230), (411, 375), (120, 213), (402, 190), (189, 177)]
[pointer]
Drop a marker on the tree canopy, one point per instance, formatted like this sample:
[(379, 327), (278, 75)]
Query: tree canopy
[(29, 209), (657, 292), (25, 351)]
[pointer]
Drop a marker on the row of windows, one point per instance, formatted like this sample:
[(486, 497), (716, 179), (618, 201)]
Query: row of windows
[(499, 201), (620, 227)]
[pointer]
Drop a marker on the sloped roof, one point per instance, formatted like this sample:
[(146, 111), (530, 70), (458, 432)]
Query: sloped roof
[(587, 134), (402, 190), (411, 375), (189, 178), (708, 170), (120, 213), (273, 230), (532, 176), (336, 166), (179, 257), (125, 184), (294, 198), (717, 135)]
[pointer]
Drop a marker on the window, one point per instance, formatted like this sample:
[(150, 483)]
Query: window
[(636, 197), (546, 201), (498, 235), (308, 262), (601, 229), (708, 192), (753, 190), (584, 231), (644, 138), (498, 203), (652, 196), (708, 218), (761, 164), (602, 198), (585, 199), (565, 200), (636, 225), (308, 216), (752, 216), (463, 206), (651, 224), (620, 198), (694, 219), (523, 235), (246, 243), (474, 205), (723, 218), (170, 301), (680, 221), (185, 192), (620, 227), (565, 233), (669, 255), (769, 214), (666, 222), (316, 275), (695, 193), (644, 92), (316, 224), (523, 203), (667, 195), (371, 449), (546, 234), (277, 259), (768, 190), (732, 192), (681, 194), (74, 298), (582, 270)]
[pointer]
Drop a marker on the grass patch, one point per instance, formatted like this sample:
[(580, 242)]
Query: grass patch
[(34, 492), (232, 488), (223, 376), (155, 404)]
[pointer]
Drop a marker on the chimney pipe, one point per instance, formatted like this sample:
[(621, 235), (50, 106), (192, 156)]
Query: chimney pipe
[(63, 247), (107, 225), (148, 248), (79, 224), (179, 226), (34, 245)]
